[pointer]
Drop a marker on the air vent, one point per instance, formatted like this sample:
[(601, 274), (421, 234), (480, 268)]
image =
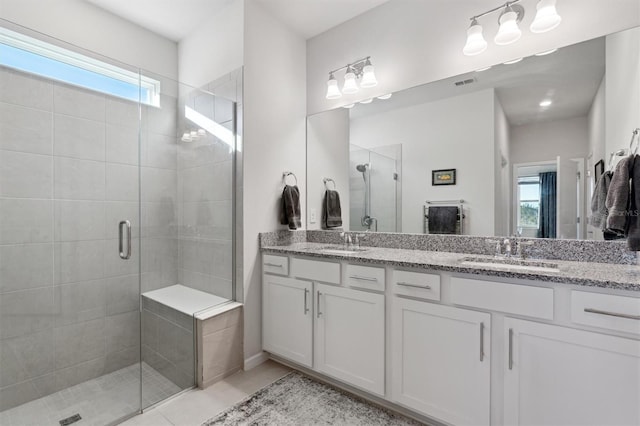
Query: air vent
[(465, 82)]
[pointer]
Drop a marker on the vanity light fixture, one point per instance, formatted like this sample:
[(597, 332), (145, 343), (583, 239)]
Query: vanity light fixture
[(361, 69), (509, 32), (547, 17)]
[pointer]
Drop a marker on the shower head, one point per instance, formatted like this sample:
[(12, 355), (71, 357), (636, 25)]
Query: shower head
[(362, 167)]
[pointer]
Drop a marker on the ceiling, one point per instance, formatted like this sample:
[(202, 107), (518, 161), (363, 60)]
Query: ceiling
[(569, 77), (175, 19)]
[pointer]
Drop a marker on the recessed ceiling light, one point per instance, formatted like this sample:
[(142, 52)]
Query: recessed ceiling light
[(387, 96), (515, 61), (348, 106), (546, 103), (547, 52), (367, 101), (484, 69)]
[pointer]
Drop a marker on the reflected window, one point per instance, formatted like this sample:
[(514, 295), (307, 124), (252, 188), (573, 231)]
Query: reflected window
[(37, 57), (529, 202)]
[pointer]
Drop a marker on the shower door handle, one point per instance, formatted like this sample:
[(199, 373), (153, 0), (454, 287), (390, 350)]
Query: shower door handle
[(121, 231)]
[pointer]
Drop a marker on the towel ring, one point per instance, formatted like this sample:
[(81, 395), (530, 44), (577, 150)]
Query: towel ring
[(284, 177), (326, 180)]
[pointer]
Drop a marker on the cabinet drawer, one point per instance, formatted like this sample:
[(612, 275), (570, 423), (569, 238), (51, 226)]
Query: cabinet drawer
[(272, 264), (417, 284), (609, 311), (368, 277), (515, 299), (315, 270)]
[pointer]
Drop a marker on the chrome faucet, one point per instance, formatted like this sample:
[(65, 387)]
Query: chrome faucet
[(507, 247), (346, 238)]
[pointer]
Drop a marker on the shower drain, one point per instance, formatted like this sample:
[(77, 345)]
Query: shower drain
[(70, 420)]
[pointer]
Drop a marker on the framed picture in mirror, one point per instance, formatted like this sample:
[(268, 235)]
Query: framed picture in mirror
[(443, 177), (599, 170)]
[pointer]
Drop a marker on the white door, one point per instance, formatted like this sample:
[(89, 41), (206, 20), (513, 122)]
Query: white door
[(441, 361), (350, 332), (562, 376), (567, 199), (287, 318)]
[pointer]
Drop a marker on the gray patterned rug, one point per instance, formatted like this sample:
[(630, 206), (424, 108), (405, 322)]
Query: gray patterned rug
[(298, 400)]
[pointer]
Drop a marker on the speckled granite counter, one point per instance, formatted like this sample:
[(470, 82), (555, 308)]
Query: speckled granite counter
[(603, 275)]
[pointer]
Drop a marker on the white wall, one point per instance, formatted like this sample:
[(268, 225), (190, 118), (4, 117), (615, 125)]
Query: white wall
[(547, 140), (215, 48), (328, 156), (502, 172), (597, 138), (414, 42), (456, 132), (623, 88), (89, 27), (274, 141)]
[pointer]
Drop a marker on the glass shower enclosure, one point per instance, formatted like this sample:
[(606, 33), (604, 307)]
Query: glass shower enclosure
[(116, 213)]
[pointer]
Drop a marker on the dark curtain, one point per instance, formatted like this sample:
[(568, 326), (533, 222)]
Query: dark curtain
[(548, 205)]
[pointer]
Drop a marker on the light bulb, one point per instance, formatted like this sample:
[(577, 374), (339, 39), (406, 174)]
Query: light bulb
[(387, 96), (508, 32), (350, 86), (348, 106), (514, 61), (368, 76), (367, 101), (546, 103), (332, 88), (547, 52), (547, 17), (476, 44)]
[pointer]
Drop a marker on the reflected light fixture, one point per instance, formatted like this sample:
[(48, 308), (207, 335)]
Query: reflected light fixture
[(361, 69), (511, 15), (547, 52), (547, 17)]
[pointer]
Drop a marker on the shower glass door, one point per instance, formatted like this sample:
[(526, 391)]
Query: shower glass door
[(69, 239)]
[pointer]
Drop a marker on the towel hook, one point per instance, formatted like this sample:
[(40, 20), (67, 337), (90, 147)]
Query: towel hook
[(635, 137), (326, 180), (284, 177)]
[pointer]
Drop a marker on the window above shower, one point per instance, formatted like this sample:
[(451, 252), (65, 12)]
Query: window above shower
[(34, 56)]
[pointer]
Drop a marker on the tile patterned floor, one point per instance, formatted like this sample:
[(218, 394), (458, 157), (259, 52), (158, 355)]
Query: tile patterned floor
[(195, 407), (99, 401)]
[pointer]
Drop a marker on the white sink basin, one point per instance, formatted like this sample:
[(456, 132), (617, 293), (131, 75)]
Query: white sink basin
[(513, 264)]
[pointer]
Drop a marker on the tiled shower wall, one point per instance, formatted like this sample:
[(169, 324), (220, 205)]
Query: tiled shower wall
[(205, 185), (68, 174)]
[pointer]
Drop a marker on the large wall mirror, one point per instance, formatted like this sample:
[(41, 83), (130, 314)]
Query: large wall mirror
[(514, 149)]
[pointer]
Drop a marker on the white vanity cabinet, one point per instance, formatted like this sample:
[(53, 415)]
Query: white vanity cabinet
[(349, 336), (556, 375), (287, 318), (441, 361)]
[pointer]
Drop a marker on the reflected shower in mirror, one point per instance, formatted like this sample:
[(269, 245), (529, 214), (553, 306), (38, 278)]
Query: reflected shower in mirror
[(519, 143)]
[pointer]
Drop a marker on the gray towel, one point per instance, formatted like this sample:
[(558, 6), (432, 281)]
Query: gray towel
[(618, 196), (443, 219), (599, 210), (290, 207), (331, 211), (633, 216)]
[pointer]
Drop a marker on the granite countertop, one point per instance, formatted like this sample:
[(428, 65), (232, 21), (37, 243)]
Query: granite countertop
[(603, 275)]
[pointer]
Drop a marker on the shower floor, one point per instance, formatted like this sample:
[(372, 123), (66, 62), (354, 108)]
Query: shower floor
[(100, 401)]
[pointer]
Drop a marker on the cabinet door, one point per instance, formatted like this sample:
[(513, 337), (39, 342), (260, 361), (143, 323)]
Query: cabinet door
[(561, 376), (441, 361), (350, 336), (287, 318)]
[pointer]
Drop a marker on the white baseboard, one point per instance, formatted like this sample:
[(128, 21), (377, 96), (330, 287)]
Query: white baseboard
[(254, 361)]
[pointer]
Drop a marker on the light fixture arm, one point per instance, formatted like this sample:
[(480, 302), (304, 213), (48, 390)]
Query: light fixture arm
[(356, 66), (495, 9)]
